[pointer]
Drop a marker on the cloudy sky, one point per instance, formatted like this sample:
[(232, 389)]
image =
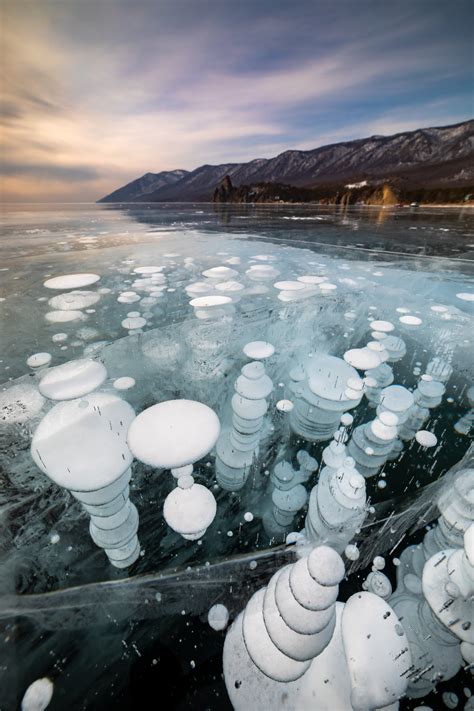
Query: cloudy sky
[(98, 92)]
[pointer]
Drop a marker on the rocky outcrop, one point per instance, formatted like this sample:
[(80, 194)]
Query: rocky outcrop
[(224, 191), (260, 192)]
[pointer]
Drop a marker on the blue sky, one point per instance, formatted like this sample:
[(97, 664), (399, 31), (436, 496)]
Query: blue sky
[(98, 92)]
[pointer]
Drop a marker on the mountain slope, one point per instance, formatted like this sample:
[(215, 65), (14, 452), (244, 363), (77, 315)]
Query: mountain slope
[(145, 185), (374, 156), (421, 158)]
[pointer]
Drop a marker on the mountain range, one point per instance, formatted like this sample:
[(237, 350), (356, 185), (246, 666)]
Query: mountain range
[(440, 157)]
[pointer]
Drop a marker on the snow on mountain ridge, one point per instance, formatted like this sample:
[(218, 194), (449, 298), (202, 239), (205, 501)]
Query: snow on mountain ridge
[(147, 184)]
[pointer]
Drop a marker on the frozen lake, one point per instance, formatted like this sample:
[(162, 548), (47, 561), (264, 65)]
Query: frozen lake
[(177, 294), (38, 240)]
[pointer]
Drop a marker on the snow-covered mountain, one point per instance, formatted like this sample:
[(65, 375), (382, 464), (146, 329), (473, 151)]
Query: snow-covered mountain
[(141, 187), (426, 157)]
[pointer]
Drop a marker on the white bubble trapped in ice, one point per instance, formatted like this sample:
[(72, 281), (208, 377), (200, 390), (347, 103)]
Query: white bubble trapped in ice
[(148, 270), (284, 406), (38, 695), (173, 433), (134, 322), (410, 320), (124, 383), (383, 326), (81, 445), (426, 439), (374, 650), (64, 316), (128, 297), (220, 273), (71, 281), (37, 360), (258, 350), (74, 300), (218, 617), (72, 379), (351, 552), (379, 562), (190, 508), (450, 699), (362, 358), (378, 583)]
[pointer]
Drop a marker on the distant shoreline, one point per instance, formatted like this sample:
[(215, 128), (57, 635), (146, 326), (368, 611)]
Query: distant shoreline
[(273, 203), (451, 205), (460, 204)]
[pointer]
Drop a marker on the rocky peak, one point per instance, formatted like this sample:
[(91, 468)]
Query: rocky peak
[(224, 190)]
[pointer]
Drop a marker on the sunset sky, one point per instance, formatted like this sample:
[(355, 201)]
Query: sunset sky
[(98, 92)]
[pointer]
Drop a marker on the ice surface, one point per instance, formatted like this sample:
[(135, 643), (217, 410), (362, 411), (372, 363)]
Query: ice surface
[(295, 310), (20, 403)]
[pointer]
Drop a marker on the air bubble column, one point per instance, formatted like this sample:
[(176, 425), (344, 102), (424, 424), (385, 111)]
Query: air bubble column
[(238, 446)]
